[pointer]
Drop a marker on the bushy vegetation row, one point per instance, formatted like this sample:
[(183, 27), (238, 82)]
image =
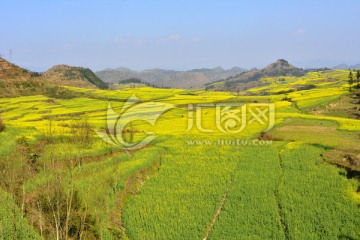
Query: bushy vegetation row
[(65, 186)]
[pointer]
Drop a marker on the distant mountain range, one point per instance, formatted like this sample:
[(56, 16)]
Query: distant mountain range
[(195, 78), (345, 66), (16, 80), (218, 79)]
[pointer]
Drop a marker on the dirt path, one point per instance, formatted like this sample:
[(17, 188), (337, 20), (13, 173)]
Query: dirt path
[(132, 186), (294, 105), (217, 213), (221, 205), (278, 199)]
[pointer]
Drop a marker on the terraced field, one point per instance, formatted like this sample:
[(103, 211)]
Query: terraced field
[(60, 180)]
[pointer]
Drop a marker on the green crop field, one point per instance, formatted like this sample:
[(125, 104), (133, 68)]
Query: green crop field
[(60, 180)]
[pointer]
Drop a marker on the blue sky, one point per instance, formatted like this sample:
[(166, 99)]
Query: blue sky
[(179, 34)]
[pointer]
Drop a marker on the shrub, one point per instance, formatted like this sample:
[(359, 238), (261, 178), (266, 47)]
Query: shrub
[(2, 125), (305, 87), (268, 137)]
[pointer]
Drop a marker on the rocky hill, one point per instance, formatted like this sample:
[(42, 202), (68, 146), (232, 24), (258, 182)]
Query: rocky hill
[(17, 81), (74, 76), (11, 71), (251, 78)]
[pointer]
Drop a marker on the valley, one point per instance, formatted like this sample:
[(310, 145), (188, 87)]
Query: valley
[(60, 180)]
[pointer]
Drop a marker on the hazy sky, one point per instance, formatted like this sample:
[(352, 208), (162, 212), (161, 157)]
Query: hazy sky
[(179, 34)]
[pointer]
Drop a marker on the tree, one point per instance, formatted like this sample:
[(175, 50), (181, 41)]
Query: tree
[(351, 79), (358, 78), (129, 133)]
